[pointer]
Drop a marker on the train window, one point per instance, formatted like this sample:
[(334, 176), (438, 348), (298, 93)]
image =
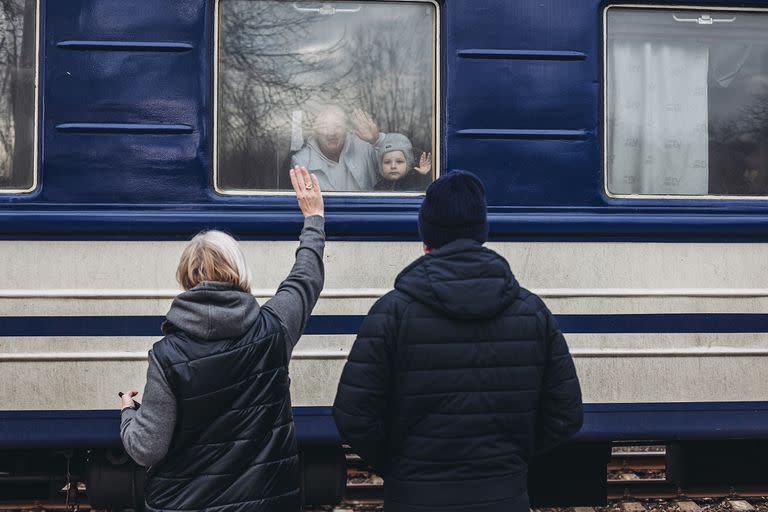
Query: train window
[(18, 68), (686, 102), (347, 89)]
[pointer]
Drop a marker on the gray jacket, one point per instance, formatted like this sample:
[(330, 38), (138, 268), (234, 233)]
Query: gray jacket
[(356, 170), (147, 432)]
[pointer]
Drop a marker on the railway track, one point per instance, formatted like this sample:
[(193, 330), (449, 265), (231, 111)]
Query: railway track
[(633, 476)]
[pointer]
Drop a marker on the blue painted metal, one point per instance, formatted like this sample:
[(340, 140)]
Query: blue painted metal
[(675, 421), (131, 86), (124, 128), (315, 426), (521, 54), (521, 108), (523, 134), (101, 429), (664, 323), (123, 46), (21, 326), (59, 429), (277, 219)]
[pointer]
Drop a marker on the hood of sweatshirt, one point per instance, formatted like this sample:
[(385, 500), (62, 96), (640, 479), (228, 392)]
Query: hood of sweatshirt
[(462, 279), (212, 311)]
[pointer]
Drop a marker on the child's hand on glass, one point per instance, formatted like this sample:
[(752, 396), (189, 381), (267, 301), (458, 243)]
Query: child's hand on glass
[(425, 164)]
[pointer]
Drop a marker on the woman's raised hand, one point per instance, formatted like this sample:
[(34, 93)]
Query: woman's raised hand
[(308, 192), (425, 164)]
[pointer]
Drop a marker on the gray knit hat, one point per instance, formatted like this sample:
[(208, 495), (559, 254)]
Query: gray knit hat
[(395, 142)]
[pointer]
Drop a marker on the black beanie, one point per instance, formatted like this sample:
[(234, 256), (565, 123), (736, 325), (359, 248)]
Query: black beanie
[(453, 208)]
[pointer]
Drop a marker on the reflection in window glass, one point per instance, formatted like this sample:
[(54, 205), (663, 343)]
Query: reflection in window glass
[(345, 89), (686, 102), (17, 94)]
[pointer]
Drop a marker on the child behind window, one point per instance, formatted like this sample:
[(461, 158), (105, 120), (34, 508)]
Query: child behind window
[(396, 165)]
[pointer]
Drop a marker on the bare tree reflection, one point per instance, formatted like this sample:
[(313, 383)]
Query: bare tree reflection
[(17, 61), (263, 76), (738, 149), (393, 77)]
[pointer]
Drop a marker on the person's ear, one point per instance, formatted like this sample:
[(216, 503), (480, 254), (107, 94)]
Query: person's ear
[(427, 249)]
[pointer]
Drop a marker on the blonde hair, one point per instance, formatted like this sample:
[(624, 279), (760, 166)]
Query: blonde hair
[(213, 256)]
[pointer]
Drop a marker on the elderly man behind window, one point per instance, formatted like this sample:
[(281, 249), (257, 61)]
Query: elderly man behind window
[(342, 160)]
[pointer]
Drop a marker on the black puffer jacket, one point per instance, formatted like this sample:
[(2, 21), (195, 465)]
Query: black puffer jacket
[(456, 379)]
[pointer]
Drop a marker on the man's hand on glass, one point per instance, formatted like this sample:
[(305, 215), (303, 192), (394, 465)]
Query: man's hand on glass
[(364, 126)]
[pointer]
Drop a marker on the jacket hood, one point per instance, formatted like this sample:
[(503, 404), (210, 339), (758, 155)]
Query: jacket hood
[(212, 311), (461, 279)]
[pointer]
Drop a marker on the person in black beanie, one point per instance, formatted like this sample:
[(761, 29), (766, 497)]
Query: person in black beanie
[(454, 208), (459, 375)]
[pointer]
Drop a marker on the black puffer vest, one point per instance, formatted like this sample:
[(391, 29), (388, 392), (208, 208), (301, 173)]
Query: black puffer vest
[(234, 447)]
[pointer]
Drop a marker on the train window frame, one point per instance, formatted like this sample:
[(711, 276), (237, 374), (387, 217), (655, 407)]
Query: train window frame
[(656, 196), (436, 111), (35, 168)]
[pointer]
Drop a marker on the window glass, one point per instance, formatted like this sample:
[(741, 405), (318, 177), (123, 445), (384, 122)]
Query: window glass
[(17, 94), (686, 102), (346, 89)]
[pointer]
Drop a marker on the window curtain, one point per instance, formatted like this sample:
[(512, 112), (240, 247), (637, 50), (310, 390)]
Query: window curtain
[(657, 118)]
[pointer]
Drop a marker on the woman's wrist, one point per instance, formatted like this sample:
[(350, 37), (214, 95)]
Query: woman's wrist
[(314, 221)]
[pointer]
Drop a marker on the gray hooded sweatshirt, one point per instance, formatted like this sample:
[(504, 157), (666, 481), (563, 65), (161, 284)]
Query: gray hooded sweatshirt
[(209, 311)]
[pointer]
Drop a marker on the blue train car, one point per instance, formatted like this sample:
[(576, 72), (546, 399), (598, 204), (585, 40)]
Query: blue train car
[(624, 147)]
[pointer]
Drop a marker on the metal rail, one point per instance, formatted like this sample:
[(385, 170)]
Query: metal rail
[(638, 461)]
